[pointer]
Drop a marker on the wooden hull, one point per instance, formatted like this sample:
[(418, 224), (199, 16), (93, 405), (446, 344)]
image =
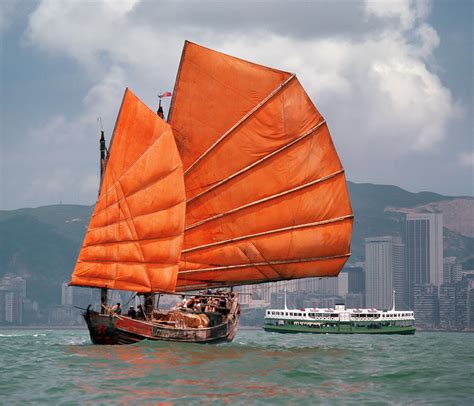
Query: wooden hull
[(118, 330)]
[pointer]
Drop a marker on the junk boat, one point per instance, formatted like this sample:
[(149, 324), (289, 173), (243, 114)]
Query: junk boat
[(339, 320), (240, 185), (212, 318)]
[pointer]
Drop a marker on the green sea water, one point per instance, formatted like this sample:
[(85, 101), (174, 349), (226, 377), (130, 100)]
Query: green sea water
[(59, 367)]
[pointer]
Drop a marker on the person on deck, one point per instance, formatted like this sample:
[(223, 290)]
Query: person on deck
[(190, 303), (140, 313), (117, 309), (132, 312)]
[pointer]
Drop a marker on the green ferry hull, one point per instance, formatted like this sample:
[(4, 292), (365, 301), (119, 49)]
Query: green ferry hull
[(340, 329)]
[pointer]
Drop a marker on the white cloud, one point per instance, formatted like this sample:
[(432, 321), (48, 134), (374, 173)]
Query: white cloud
[(377, 89), (381, 87), (404, 12), (7, 11)]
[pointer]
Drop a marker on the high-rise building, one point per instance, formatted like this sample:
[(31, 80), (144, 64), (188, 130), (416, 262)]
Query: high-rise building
[(14, 292), (343, 283), (356, 280), (13, 307), (452, 270), (424, 251), (426, 305), (384, 272)]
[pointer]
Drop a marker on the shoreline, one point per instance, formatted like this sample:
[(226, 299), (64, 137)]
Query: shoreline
[(245, 328)]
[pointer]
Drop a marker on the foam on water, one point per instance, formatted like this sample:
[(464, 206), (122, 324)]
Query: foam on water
[(51, 367)]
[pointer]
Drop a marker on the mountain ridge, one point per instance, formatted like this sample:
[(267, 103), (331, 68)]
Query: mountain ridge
[(42, 243)]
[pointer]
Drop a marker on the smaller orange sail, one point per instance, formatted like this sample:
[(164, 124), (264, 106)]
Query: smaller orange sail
[(135, 235)]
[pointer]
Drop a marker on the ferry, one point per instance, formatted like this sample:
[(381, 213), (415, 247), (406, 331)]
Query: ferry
[(339, 320)]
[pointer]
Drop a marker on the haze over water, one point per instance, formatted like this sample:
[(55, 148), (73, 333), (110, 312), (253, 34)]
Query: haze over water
[(63, 367)]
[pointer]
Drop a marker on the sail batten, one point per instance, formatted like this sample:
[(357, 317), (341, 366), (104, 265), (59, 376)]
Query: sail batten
[(136, 217), (265, 199), (278, 230), (275, 262), (123, 242)]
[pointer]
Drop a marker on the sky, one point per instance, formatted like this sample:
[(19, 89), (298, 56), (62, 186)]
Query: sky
[(393, 79)]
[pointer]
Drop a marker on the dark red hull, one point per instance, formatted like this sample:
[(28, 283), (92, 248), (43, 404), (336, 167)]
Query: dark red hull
[(117, 330)]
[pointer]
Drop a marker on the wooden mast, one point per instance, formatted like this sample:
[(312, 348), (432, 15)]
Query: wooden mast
[(103, 159)]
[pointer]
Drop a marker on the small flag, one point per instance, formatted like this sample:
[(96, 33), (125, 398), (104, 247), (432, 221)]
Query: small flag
[(165, 94)]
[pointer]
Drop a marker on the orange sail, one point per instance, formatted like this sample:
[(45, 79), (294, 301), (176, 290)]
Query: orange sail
[(266, 194), (135, 236)]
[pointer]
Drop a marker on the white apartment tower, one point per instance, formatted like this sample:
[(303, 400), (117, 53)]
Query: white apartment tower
[(424, 250), (67, 294), (384, 271)]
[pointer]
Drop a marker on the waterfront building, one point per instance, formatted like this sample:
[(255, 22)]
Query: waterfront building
[(264, 291), (3, 293), (13, 307), (471, 304), (462, 314), (384, 271), (354, 301), (426, 305), (13, 293), (424, 251), (356, 279), (330, 286), (343, 283), (447, 306), (67, 296), (452, 270)]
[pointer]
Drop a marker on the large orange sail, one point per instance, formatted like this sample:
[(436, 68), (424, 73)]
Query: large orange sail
[(135, 236), (266, 193)]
